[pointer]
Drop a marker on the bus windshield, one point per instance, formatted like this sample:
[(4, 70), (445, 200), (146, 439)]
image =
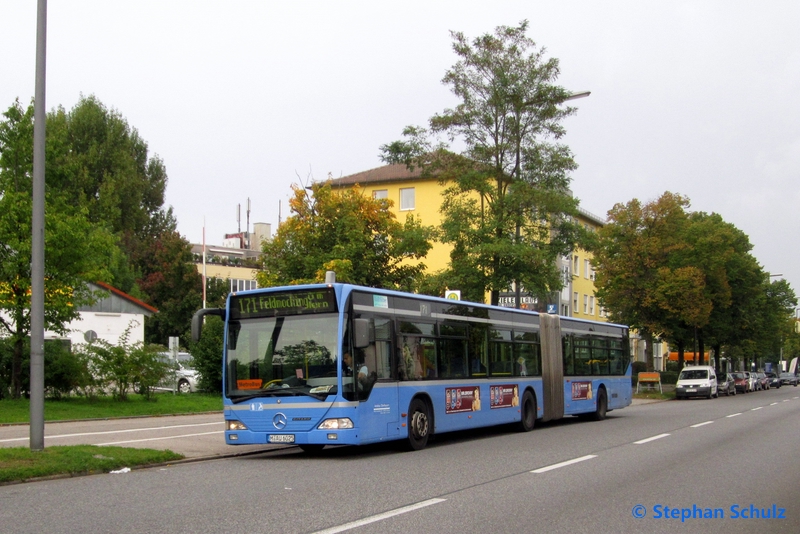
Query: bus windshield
[(282, 356)]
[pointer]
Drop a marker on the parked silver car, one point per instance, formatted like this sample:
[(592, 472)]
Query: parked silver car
[(788, 379), (726, 384), (184, 377)]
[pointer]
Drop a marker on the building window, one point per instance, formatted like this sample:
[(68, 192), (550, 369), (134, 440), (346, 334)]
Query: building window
[(407, 198), (586, 304), (587, 269), (575, 302), (242, 285), (591, 305), (575, 265), (380, 193)]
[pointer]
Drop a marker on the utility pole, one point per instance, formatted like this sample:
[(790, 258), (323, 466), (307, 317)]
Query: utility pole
[(37, 237)]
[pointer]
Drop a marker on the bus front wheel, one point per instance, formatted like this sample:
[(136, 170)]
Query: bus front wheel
[(528, 408), (418, 425)]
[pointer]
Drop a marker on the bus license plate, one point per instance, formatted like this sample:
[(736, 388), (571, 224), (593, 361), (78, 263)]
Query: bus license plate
[(281, 438)]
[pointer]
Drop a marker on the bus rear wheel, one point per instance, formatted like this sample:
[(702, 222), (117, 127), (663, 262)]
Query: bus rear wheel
[(528, 408), (419, 425), (602, 406)]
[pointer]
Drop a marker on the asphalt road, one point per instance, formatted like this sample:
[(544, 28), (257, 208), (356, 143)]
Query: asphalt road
[(730, 458)]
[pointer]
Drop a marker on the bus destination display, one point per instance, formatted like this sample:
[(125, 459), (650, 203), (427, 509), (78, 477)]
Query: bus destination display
[(285, 303)]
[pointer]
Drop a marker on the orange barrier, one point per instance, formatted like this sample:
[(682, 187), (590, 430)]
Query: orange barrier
[(650, 380)]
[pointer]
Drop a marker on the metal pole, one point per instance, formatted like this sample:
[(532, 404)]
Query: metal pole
[(37, 243)]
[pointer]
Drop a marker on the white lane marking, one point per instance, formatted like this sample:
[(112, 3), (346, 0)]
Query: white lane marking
[(756, 408), (159, 439), (640, 442), (734, 414), (774, 403), (702, 424), (380, 517), (81, 434), (564, 464)]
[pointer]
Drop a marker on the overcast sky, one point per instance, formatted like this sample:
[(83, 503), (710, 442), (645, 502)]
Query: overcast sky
[(242, 99)]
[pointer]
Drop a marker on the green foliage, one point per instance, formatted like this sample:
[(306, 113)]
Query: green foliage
[(171, 280), (681, 275), (207, 354), (348, 232), (77, 251), (124, 366), (101, 163), (507, 211), (105, 198)]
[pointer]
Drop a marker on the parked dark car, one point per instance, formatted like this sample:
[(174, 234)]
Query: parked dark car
[(726, 385), (774, 380), (742, 381), (789, 379)]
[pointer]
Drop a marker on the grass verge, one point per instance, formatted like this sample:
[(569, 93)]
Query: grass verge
[(19, 463), (18, 410), (654, 395)]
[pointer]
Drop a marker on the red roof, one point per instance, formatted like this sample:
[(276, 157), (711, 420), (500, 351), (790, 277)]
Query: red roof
[(127, 297), (387, 173)]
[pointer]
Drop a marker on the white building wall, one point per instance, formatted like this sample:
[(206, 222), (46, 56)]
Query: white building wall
[(107, 326)]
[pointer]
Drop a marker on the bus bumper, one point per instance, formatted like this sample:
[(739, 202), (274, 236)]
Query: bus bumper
[(314, 437)]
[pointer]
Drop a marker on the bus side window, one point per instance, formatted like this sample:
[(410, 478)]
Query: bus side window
[(501, 362), (382, 347), (569, 357)]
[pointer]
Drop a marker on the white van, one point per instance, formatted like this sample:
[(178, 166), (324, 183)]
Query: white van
[(697, 381)]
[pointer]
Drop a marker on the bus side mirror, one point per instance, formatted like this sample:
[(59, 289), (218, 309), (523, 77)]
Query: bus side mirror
[(362, 327), (197, 320)]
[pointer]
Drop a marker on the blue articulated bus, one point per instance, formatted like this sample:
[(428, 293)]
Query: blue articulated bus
[(338, 364)]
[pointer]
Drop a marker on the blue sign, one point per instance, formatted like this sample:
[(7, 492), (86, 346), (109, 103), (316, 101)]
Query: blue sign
[(552, 308)]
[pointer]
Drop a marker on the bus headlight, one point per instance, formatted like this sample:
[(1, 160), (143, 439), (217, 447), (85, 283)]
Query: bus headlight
[(336, 424), (235, 425)]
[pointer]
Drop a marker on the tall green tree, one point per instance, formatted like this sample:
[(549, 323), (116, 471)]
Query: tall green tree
[(688, 277), (507, 210), (76, 250), (99, 161), (347, 232), (643, 273), (170, 279)]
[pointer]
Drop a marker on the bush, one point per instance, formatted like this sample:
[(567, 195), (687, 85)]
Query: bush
[(123, 367), (669, 377), (639, 367)]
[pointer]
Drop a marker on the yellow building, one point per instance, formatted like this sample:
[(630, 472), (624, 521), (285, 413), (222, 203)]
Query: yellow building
[(422, 197), (410, 194)]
